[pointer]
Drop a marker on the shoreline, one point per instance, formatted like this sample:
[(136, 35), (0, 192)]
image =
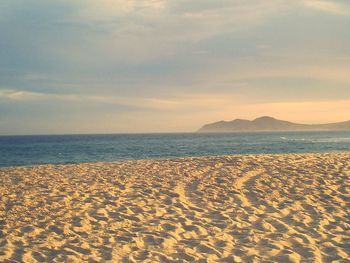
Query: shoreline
[(176, 158), (279, 207)]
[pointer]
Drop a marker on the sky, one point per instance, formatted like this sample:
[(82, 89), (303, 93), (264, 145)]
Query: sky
[(120, 66)]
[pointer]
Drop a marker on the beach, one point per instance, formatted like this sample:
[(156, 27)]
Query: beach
[(239, 208)]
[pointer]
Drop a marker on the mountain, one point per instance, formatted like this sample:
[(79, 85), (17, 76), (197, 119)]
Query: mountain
[(270, 124)]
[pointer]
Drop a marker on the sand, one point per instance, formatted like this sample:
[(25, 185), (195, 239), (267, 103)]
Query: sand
[(255, 208)]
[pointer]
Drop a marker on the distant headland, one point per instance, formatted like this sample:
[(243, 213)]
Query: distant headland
[(267, 123)]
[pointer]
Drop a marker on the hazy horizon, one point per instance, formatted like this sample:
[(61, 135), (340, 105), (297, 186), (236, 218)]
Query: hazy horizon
[(112, 66)]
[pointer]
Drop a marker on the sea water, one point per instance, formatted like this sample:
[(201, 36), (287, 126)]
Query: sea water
[(64, 149)]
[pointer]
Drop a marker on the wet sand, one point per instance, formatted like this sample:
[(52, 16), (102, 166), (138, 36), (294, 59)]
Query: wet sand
[(254, 208)]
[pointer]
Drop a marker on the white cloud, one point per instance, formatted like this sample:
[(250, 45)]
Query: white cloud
[(109, 9), (332, 7), (188, 101), (18, 95), (170, 21)]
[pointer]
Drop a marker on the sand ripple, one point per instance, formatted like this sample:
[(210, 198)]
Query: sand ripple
[(270, 208)]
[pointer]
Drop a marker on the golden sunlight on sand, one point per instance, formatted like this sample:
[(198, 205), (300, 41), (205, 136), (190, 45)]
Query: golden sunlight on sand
[(280, 208)]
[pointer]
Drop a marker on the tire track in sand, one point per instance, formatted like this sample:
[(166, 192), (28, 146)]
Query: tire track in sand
[(246, 183), (242, 182)]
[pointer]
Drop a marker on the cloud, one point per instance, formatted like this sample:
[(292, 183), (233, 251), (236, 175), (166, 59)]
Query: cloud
[(332, 7), (167, 23), (162, 59), (189, 101), (108, 9), (20, 95), (323, 73)]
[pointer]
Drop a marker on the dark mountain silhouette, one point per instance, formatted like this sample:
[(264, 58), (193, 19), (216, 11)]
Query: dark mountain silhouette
[(270, 124)]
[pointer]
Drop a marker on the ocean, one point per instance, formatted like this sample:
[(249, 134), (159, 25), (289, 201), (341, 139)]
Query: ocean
[(65, 149)]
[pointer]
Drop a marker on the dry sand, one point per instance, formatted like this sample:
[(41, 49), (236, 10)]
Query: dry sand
[(256, 208)]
